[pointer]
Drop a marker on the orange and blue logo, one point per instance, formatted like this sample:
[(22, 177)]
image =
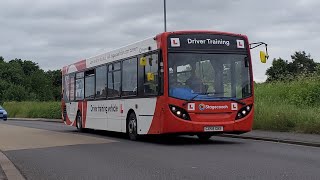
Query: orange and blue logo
[(202, 107)]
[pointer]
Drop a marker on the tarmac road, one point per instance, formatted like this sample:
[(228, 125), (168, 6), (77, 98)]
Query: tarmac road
[(48, 150)]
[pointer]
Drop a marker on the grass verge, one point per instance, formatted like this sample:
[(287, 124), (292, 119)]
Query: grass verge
[(288, 106), (280, 106), (50, 110)]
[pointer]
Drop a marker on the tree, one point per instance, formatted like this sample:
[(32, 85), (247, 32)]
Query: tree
[(56, 82), (22, 80), (301, 65), (12, 72), (278, 71)]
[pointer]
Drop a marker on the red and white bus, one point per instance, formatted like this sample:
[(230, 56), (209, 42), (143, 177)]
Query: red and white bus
[(184, 82)]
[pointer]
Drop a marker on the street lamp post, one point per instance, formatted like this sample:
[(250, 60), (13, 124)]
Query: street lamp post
[(165, 15)]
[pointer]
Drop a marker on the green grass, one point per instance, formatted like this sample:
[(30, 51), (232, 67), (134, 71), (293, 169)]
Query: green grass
[(51, 110), (280, 106), (288, 106)]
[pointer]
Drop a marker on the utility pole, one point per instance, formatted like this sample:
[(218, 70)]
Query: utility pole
[(165, 15)]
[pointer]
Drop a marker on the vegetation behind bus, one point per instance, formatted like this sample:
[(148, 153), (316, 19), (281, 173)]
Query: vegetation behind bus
[(23, 80), (288, 101), (33, 109)]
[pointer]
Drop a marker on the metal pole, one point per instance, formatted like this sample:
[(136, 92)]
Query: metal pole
[(165, 15)]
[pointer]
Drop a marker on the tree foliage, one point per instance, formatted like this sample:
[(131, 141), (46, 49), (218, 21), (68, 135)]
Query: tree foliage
[(23, 80), (301, 65)]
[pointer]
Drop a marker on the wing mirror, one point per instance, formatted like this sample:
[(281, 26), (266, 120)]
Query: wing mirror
[(263, 55)]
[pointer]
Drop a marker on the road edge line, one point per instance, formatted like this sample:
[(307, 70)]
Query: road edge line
[(286, 141), (36, 119), (9, 169)]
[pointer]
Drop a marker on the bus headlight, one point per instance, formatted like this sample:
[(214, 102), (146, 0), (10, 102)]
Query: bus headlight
[(243, 112), (179, 112)]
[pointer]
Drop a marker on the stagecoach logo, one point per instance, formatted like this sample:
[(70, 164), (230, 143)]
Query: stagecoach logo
[(175, 42), (202, 107)]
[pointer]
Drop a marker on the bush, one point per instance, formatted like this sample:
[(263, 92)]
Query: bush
[(288, 106), (29, 109)]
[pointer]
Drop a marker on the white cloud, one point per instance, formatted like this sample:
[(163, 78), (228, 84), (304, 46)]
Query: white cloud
[(54, 33)]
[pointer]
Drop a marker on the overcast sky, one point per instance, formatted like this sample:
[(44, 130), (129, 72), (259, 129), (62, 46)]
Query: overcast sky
[(55, 33)]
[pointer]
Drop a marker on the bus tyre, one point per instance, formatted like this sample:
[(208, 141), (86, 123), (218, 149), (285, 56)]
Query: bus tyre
[(204, 137), (79, 122), (132, 127)]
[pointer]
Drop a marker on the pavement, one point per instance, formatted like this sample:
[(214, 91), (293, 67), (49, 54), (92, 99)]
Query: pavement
[(283, 137)]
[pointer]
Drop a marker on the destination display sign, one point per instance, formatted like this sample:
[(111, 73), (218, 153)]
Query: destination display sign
[(206, 42)]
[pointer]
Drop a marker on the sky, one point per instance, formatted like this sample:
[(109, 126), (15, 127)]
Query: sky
[(55, 33)]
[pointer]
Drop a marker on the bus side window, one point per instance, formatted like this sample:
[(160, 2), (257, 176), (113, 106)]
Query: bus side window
[(66, 89), (72, 87), (114, 80), (79, 86), (129, 77), (89, 84), (101, 82), (151, 75)]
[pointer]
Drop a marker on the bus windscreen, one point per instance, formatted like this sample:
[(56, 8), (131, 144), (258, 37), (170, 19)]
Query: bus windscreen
[(208, 76)]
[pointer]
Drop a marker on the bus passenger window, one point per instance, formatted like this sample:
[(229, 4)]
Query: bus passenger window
[(66, 89), (89, 84), (80, 86), (129, 77), (151, 76), (114, 79), (101, 82), (71, 86)]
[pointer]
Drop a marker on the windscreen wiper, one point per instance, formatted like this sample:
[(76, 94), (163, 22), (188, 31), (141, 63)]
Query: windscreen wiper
[(238, 101), (190, 100), (233, 99)]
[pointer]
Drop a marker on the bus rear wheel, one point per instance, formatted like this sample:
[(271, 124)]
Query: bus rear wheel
[(204, 137), (132, 127), (79, 122)]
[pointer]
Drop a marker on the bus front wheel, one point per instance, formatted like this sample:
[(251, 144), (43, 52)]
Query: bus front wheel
[(132, 127)]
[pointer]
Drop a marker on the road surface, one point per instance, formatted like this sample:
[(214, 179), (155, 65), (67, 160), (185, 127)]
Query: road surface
[(48, 150)]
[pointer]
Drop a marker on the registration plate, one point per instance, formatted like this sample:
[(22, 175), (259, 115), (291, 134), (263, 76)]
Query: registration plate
[(213, 128)]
